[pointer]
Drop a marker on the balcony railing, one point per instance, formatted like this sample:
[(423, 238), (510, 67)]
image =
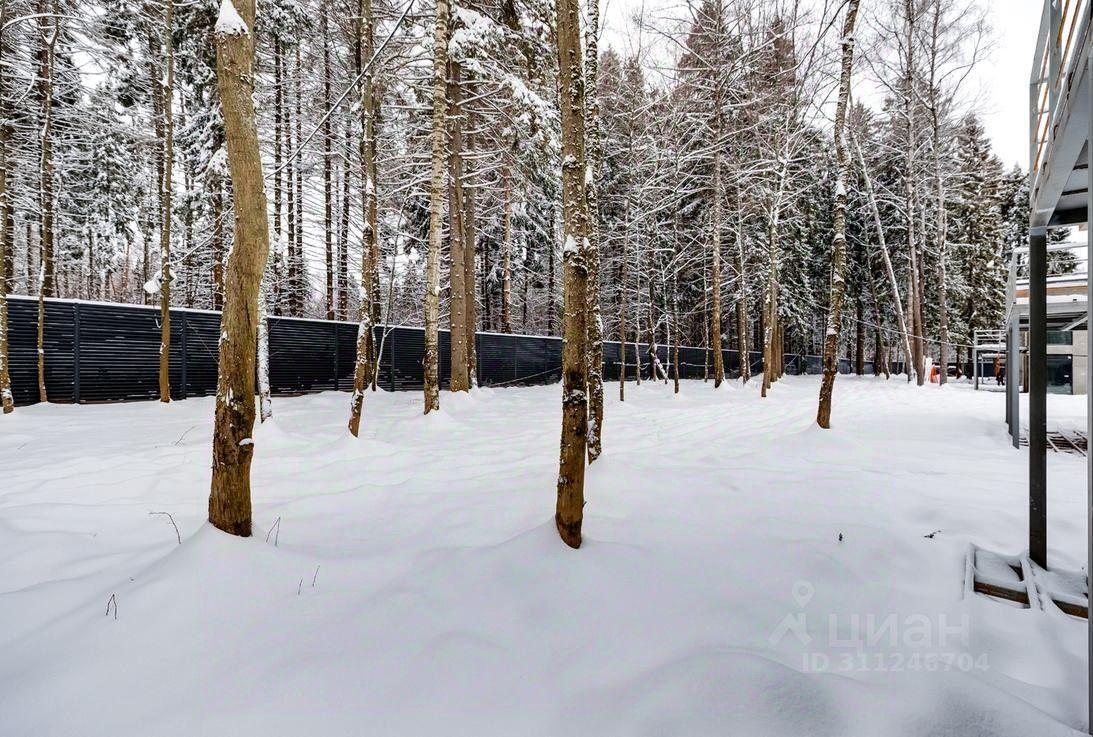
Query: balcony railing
[(1064, 33)]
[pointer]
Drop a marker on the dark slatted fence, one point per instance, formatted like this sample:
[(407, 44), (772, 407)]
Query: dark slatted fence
[(97, 352)]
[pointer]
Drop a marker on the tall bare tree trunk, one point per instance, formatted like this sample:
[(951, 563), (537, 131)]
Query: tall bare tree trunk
[(265, 401), (715, 268), (506, 245), (436, 207), (770, 308), (880, 351), (278, 158), (569, 515), (917, 352), (217, 187), (233, 447), (882, 245), (623, 255), (838, 260), (168, 89), (741, 300), (942, 213), (328, 150), (470, 246), (303, 287), (7, 225), (594, 143), (293, 279), (343, 225), (363, 371), (459, 380), (48, 40)]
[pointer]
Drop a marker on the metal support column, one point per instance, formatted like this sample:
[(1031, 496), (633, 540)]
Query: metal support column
[(1089, 402), (1013, 379), (975, 366), (1037, 396)]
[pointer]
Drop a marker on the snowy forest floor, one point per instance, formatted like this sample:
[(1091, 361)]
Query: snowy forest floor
[(415, 584)]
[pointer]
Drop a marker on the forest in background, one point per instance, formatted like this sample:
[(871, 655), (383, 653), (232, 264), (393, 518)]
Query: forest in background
[(715, 187)]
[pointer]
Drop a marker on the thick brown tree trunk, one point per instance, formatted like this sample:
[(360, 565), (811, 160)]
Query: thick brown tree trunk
[(569, 514), (436, 207), (838, 259), (233, 447)]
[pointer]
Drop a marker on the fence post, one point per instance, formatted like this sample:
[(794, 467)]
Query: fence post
[(336, 342), (182, 346), (391, 342), (76, 353)]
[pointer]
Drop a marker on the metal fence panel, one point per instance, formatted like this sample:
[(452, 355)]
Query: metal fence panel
[(97, 352)]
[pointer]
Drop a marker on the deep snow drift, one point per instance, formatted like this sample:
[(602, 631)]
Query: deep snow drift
[(417, 586)]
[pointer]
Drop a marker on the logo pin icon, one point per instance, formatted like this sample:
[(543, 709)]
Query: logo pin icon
[(802, 593)]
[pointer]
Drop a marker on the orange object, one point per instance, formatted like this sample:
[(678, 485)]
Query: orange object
[(934, 374)]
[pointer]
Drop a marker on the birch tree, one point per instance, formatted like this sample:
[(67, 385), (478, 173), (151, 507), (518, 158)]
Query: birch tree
[(366, 357), (436, 207), (838, 259), (166, 199), (594, 152)]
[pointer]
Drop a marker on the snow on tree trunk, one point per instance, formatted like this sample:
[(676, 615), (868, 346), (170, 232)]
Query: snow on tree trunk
[(436, 208), (165, 189), (506, 244), (569, 514), (470, 239), (233, 447), (265, 402), (715, 267), (47, 41), (328, 162), (594, 152), (7, 233), (459, 380), (942, 223), (882, 245), (622, 296), (366, 353), (838, 260), (910, 202), (741, 302), (46, 64), (43, 395)]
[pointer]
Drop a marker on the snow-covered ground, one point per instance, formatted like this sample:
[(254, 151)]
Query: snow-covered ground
[(415, 584)]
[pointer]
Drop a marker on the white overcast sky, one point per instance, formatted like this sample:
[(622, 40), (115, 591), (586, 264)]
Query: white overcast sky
[(1001, 87)]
